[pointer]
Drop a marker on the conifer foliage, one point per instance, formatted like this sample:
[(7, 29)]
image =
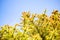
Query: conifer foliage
[(33, 27)]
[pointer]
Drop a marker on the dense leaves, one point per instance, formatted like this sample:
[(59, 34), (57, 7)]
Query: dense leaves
[(34, 27)]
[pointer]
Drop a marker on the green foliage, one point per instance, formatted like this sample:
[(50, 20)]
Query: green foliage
[(34, 27), (11, 33)]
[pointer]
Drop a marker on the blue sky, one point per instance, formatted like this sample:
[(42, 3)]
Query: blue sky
[(10, 10)]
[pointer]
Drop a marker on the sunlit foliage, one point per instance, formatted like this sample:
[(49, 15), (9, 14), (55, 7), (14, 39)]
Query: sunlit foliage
[(33, 27)]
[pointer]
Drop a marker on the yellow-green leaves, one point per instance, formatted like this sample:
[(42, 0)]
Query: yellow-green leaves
[(42, 28)]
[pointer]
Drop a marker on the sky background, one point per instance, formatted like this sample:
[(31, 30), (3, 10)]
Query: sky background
[(10, 10)]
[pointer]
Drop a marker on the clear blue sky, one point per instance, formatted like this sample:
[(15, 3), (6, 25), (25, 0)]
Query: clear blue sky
[(10, 10)]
